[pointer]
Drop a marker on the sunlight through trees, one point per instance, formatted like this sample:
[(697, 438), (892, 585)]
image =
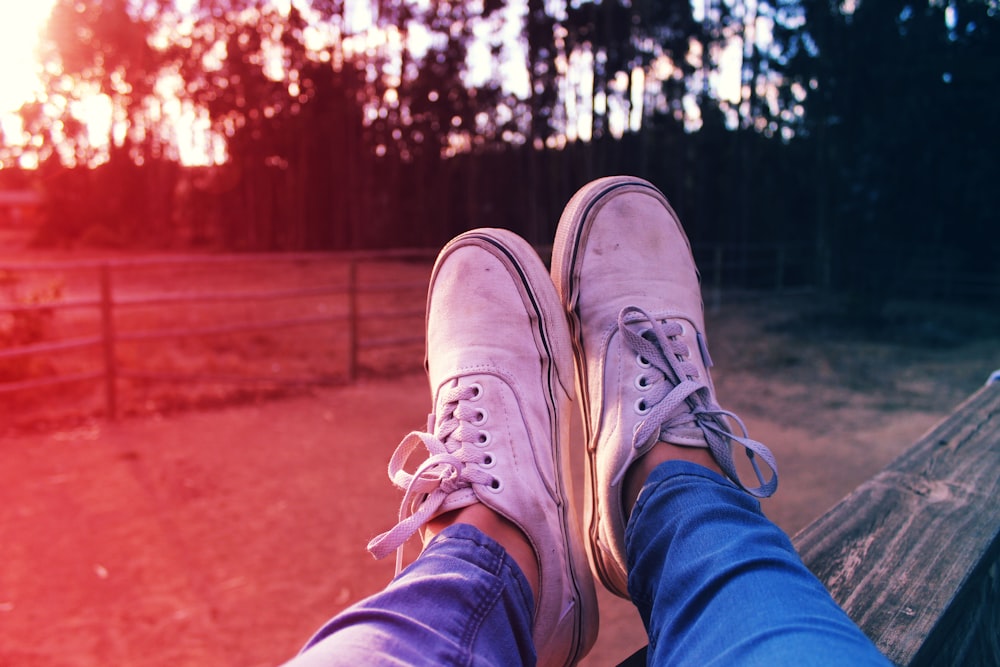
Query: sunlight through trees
[(860, 129)]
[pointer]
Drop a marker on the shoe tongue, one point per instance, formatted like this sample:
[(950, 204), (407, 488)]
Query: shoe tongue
[(685, 436), (457, 500), (687, 433)]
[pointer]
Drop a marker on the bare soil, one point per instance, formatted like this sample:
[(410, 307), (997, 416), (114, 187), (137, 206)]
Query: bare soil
[(222, 529)]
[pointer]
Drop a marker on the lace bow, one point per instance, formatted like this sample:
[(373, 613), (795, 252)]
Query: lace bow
[(446, 471), (677, 405)]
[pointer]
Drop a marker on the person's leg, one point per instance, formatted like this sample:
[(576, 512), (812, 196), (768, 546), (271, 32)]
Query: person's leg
[(714, 580), (717, 583), (463, 601), (504, 572)]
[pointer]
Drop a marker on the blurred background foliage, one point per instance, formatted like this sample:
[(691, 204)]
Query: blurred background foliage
[(863, 131)]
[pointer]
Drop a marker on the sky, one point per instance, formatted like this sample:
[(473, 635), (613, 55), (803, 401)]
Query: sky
[(20, 23)]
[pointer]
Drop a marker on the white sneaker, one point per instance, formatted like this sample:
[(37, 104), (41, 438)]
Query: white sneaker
[(500, 366), (623, 268)]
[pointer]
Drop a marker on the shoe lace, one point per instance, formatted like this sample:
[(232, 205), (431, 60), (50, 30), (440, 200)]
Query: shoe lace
[(678, 402), (443, 473)]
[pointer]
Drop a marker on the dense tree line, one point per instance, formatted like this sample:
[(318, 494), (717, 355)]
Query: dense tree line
[(861, 130)]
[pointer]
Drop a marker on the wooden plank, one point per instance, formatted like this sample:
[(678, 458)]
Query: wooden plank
[(912, 554)]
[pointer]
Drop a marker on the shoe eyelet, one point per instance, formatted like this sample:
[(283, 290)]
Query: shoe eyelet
[(642, 383), (489, 460), (642, 407), (481, 416), (496, 486), (477, 391), (642, 362), (484, 439)]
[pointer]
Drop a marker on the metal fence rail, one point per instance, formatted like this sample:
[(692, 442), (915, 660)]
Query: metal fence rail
[(765, 267), (109, 305)]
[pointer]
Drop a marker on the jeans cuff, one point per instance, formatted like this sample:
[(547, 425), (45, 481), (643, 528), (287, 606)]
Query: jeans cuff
[(486, 553)]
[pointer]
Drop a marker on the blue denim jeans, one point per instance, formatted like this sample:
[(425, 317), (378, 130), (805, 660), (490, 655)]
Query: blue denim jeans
[(464, 601), (714, 580), (717, 583)]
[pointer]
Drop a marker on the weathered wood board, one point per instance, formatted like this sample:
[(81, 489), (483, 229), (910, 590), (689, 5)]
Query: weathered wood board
[(912, 554)]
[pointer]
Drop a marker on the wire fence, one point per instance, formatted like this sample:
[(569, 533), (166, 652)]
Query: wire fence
[(352, 300), (753, 269), (112, 294)]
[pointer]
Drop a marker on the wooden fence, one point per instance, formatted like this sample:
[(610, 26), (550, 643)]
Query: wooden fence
[(913, 554)]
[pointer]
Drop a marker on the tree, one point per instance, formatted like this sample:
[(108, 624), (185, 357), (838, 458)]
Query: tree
[(100, 48), (900, 117)]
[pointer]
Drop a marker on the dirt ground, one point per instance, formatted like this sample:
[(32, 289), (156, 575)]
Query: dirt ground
[(225, 536)]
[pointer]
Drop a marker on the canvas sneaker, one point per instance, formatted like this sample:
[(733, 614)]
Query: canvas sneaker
[(625, 274), (500, 366)]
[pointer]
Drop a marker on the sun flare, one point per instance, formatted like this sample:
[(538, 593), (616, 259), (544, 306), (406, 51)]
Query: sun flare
[(20, 24)]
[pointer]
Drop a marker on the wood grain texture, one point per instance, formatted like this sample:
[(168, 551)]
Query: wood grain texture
[(912, 554)]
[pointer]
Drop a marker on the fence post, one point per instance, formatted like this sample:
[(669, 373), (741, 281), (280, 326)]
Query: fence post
[(352, 323), (779, 270), (108, 333)]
